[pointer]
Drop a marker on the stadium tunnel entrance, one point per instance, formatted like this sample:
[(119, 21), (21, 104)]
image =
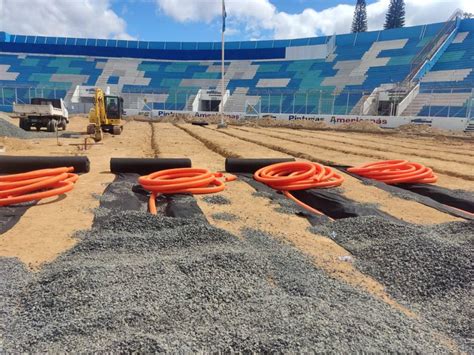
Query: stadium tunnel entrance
[(209, 100)]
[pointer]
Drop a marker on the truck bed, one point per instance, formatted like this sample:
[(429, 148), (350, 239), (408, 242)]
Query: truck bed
[(37, 110)]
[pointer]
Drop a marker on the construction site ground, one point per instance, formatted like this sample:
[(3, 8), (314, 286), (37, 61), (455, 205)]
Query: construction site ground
[(50, 232)]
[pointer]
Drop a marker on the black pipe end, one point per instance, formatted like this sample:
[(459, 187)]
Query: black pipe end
[(145, 166), (250, 166), (10, 164)]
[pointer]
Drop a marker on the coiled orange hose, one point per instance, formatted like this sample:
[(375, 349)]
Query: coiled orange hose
[(182, 180), (35, 185), (294, 176), (396, 172)]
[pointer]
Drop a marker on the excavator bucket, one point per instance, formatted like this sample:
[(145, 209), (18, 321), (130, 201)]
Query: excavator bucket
[(98, 135)]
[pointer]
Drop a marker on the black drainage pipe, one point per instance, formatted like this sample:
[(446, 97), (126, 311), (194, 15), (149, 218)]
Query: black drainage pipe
[(145, 166), (250, 166), (19, 164)]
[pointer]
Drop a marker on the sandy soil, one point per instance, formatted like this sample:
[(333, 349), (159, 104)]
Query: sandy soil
[(233, 146), (382, 146), (47, 229), (352, 155), (403, 209), (441, 144)]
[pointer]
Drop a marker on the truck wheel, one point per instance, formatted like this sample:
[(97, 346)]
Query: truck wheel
[(116, 130), (63, 125), (24, 124), (52, 126)]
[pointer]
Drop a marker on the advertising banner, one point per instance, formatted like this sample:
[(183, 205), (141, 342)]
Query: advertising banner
[(451, 123)]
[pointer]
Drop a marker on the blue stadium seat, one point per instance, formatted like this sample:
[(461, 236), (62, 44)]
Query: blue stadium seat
[(359, 64)]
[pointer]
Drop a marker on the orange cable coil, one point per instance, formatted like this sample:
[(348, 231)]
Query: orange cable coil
[(300, 175), (36, 185), (182, 180), (396, 172)]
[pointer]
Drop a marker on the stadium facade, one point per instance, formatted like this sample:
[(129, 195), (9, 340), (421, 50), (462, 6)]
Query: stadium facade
[(422, 71)]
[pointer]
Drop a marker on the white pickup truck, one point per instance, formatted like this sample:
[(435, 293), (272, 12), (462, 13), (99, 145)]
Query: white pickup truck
[(49, 113)]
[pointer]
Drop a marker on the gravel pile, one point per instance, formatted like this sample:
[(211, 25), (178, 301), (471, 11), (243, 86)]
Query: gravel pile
[(142, 283), (428, 268), (224, 216), (216, 200), (9, 130), (13, 278)]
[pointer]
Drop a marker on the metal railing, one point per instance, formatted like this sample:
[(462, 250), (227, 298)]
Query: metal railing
[(430, 49), (23, 94), (177, 100), (271, 101), (314, 102), (434, 102)]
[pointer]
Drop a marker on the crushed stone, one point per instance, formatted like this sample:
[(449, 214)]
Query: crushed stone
[(7, 129), (143, 283), (427, 268), (224, 216), (216, 200)]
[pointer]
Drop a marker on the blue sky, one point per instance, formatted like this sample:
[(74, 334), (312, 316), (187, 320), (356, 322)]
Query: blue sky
[(146, 21), (199, 20)]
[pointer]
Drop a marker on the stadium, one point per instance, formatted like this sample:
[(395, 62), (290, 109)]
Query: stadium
[(289, 195), (422, 71)]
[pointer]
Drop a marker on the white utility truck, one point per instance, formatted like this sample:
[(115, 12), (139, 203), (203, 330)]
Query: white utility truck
[(49, 113)]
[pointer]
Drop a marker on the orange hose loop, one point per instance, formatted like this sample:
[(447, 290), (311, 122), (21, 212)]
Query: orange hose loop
[(293, 176), (396, 172), (36, 185), (182, 180)]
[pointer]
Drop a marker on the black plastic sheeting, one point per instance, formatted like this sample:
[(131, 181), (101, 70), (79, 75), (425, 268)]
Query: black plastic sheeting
[(145, 166), (10, 164), (125, 194), (464, 201), (433, 196), (10, 215), (337, 206), (275, 195), (328, 201), (250, 166)]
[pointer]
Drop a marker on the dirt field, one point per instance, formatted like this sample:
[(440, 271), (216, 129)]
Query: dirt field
[(48, 229), (207, 147)]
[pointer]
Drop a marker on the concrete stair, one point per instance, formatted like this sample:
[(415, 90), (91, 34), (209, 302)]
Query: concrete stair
[(357, 109), (236, 101), (435, 99)]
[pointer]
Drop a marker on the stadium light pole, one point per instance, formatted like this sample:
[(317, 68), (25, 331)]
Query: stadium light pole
[(224, 15)]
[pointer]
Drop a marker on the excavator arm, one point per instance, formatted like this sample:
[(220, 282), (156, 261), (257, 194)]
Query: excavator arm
[(98, 115), (101, 115)]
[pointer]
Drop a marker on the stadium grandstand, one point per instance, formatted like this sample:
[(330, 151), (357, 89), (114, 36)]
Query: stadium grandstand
[(422, 71)]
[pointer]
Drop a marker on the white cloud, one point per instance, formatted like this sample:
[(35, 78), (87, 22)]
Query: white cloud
[(69, 18), (261, 15)]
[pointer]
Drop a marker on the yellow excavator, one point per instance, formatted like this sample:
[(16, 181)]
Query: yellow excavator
[(106, 115)]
